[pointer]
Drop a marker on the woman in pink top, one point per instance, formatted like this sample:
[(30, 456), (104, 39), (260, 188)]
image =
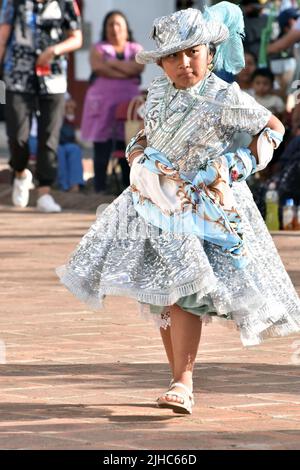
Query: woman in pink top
[(117, 79)]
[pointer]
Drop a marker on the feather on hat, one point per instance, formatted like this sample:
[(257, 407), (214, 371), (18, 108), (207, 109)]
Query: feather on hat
[(221, 25)]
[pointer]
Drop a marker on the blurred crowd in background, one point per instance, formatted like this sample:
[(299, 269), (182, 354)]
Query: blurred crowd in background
[(272, 76)]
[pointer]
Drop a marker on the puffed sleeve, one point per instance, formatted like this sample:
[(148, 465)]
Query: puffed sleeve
[(242, 113)]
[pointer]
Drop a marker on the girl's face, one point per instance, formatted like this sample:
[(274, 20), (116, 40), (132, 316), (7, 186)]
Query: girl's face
[(116, 29), (186, 68)]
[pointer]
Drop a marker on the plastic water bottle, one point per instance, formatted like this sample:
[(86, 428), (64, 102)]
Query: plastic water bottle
[(288, 215), (272, 207)]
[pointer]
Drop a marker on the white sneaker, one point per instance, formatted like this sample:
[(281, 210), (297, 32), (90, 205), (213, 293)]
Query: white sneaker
[(21, 187), (46, 203)]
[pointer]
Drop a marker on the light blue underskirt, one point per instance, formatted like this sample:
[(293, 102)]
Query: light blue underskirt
[(191, 304)]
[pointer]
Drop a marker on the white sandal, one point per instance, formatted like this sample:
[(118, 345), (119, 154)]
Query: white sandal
[(182, 408)]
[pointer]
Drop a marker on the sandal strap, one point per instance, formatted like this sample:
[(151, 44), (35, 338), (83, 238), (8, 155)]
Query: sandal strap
[(184, 387), (172, 382), (176, 394)]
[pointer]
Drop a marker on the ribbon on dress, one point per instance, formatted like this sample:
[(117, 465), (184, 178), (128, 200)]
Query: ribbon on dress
[(203, 206)]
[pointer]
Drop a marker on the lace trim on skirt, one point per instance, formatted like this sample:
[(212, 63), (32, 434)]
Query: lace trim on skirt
[(81, 288), (263, 323)]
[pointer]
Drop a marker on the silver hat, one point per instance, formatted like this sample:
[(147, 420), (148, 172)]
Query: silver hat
[(181, 30)]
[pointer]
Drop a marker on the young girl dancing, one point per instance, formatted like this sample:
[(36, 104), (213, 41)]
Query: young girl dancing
[(186, 239)]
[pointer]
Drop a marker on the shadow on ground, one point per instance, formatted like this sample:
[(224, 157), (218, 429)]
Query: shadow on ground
[(137, 423)]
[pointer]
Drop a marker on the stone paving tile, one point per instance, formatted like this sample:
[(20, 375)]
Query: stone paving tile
[(75, 379), (37, 441), (155, 432)]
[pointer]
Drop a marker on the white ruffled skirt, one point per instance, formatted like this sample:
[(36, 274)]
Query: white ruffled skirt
[(123, 255)]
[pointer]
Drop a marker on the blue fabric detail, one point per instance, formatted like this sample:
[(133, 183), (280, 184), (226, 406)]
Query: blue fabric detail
[(69, 171), (241, 163), (204, 217), (277, 137), (226, 76)]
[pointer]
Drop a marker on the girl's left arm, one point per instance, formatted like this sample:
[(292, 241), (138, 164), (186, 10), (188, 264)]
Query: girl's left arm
[(247, 160), (275, 125)]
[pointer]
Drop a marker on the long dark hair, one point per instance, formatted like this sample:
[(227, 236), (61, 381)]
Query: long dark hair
[(104, 24)]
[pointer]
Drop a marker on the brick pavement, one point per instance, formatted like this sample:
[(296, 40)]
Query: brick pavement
[(75, 379)]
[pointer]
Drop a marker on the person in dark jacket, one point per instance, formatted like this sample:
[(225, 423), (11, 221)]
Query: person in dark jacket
[(255, 21), (35, 35)]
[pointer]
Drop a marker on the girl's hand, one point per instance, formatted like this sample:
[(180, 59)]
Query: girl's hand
[(273, 124)]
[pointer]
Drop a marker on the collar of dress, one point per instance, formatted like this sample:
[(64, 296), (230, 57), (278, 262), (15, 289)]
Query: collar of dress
[(195, 90)]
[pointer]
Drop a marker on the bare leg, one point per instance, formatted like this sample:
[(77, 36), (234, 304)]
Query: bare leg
[(166, 338), (185, 337)]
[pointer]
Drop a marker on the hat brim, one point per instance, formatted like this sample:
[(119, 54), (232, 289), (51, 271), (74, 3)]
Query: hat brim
[(208, 37)]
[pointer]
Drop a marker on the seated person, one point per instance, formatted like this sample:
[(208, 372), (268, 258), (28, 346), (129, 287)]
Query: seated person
[(69, 155), (263, 92)]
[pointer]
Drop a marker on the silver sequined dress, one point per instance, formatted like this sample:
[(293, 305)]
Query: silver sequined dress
[(123, 255)]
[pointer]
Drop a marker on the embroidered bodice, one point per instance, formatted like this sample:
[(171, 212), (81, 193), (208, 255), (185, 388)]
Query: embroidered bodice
[(191, 128)]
